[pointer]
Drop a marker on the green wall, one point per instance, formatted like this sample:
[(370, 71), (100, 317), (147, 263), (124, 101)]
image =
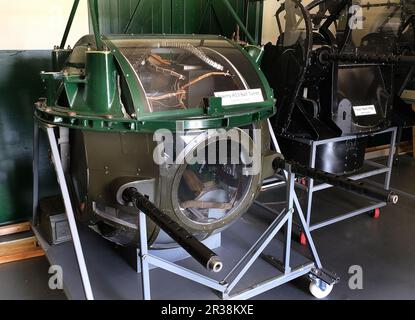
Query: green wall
[(177, 16), (20, 87)]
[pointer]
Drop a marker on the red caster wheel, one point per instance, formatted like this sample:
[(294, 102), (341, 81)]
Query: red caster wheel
[(376, 214), (303, 239)]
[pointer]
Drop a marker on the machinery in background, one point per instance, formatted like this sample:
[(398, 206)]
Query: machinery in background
[(333, 69)]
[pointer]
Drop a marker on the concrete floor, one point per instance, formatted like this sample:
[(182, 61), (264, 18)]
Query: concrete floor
[(27, 280), (383, 248)]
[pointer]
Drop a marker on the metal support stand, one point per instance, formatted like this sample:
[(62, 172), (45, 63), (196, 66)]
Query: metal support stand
[(225, 287), (66, 198), (378, 169), (398, 143), (311, 188)]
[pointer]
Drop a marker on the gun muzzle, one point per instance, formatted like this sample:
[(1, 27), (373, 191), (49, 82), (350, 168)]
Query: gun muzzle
[(344, 183)]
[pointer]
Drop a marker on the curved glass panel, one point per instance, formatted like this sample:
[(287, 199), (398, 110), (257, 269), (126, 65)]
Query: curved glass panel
[(177, 74), (209, 193)]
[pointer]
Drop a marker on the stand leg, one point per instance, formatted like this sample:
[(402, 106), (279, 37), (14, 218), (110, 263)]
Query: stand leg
[(390, 159), (69, 212), (35, 172), (255, 251), (142, 256), (303, 223), (288, 229), (304, 226), (311, 184), (398, 142)]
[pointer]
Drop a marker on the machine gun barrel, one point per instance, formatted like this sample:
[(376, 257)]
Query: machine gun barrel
[(344, 183), (365, 58), (187, 241)]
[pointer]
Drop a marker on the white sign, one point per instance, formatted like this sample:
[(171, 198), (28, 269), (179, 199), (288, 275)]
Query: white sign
[(230, 98), (364, 110)]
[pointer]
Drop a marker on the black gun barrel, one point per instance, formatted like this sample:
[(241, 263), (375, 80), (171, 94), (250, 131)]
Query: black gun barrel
[(187, 241), (344, 183), (402, 60)]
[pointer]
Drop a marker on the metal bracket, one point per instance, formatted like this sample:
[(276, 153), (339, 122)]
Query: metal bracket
[(278, 264), (324, 275)]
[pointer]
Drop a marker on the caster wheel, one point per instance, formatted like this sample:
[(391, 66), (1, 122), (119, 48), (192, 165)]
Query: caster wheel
[(375, 214), (320, 289), (303, 239)]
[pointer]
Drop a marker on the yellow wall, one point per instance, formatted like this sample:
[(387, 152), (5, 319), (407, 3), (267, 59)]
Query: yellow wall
[(39, 24)]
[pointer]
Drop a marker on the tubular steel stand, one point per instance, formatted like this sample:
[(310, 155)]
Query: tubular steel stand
[(225, 287), (378, 170), (311, 188), (57, 161)]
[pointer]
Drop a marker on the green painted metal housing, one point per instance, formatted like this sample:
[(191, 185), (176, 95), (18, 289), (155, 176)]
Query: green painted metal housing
[(95, 87), (115, 91), (179, 17)]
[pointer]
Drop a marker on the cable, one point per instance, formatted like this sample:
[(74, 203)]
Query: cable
[(204, 76), (195, 51), (167, 95), (182, 90)]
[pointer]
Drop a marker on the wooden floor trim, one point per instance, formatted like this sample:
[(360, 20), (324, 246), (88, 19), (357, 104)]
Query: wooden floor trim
[(20, 248)]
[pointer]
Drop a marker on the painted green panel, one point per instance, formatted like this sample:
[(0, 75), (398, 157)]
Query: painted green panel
[(187, 15), (152, 16), (177, 16), (20, 87)]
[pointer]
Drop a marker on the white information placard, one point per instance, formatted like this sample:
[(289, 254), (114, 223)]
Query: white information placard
[(230, 98), (368, 110)]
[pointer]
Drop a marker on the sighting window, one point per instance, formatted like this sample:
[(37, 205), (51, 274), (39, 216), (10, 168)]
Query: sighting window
[(177, 74), (209, 193)]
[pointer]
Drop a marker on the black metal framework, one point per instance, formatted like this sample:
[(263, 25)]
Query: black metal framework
[(338, 80)]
